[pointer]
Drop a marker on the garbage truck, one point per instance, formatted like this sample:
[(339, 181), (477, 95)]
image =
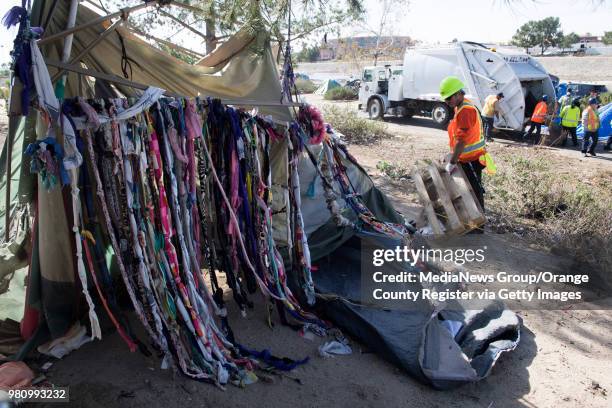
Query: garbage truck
[(413, 88)]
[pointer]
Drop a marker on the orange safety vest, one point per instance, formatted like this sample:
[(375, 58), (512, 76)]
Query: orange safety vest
[(592, 120), (539, 113), (475, 143)]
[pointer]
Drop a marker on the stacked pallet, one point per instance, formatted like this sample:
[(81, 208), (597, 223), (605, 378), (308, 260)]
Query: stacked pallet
[(451, 207)]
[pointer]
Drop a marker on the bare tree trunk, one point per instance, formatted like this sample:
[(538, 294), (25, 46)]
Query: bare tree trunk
[(211, 41)]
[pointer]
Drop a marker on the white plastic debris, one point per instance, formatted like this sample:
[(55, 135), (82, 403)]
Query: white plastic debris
[(332, 348)]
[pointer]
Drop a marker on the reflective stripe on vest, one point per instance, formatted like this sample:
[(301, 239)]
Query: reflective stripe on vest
[(539, 113), (593, 120), (570, 117), (471, 151)]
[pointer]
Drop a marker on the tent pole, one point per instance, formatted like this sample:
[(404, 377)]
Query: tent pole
[(165, 42), (14, 109), (9, 158), (72, 12), (125, 82), (86, 50), (122, 12), (181, 22)]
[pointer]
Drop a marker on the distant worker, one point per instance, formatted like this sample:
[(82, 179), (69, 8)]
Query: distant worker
[(595, 94), (565, 100), (466, 137), (590, 124), (537, 119), (489, 112), (570, 117)]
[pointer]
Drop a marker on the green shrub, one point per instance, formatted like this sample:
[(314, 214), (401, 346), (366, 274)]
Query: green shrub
[(355, 129), (341, 93), (305, 86), (530, 194), (605, 99), (393, 171)]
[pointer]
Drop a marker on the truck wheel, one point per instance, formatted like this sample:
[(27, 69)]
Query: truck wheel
[(440, 114), (375, 109)]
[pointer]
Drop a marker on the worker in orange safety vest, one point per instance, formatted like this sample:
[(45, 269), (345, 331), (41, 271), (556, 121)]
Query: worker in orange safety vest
[(537, 119), (590, 124), (466, 137)]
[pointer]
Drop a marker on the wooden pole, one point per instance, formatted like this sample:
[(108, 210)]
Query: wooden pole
[(88, 48), (123, 12)]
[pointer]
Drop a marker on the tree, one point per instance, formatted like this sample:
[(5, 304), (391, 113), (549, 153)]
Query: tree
[(569, 40), (550, 34), (545, 33), (607, 37), (391, 11), (308, 54), (215, 20), (526, 36)]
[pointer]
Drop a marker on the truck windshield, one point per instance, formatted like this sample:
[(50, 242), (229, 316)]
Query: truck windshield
[(367, 75)]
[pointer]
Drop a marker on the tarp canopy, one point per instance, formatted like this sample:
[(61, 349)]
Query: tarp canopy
[(240, 68)]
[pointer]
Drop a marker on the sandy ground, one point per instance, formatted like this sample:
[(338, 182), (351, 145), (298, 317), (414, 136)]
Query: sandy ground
[(564, 358)]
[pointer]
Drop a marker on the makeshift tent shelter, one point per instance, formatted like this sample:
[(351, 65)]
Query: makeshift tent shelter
[(337, 205), (326, 86)]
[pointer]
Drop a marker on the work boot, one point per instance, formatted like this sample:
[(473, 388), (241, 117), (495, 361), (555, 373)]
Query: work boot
[(592, 154)]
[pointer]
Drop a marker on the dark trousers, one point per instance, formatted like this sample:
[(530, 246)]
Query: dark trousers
[(488, 126), (538, 128), (585, 141), (570, 131), (473, 172)]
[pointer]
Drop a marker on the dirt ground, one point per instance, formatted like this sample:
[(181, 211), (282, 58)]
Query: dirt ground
[(564, 358)]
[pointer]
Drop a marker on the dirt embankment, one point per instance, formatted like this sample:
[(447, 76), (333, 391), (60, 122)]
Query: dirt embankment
[(580, 69), (596, 69)]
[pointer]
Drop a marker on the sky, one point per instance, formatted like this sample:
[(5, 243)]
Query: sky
[(492, 20), (441, 21)]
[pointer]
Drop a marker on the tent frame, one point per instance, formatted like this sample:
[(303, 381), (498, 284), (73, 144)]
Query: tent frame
[(125, 82), (123, 13)]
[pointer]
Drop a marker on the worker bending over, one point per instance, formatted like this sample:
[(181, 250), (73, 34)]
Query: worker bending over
[(490, 111), (590, 124), (538, 118), (570, 116), (466, 137)]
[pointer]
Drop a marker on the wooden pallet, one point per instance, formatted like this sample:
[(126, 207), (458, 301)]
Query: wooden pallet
[(451, 207)]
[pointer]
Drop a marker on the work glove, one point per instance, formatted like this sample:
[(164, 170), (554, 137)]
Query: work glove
[(450, 167)]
